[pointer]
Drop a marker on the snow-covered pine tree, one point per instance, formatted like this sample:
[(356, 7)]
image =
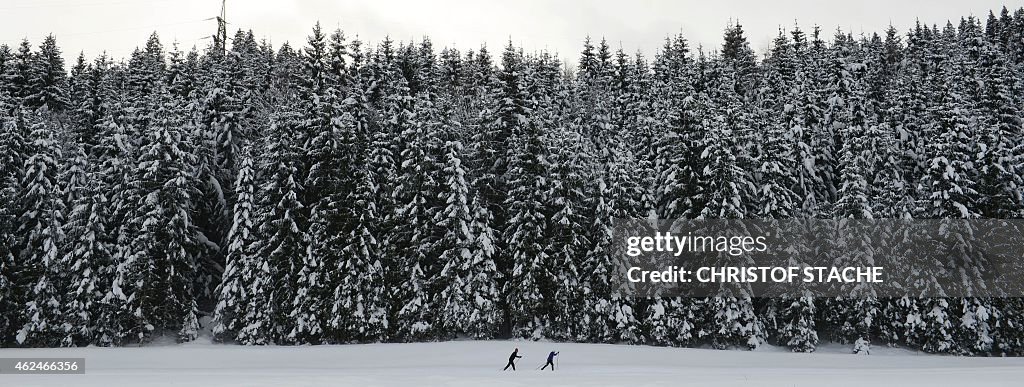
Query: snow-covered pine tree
[(999, 156), (891, 202), (41, 230), (223, 108), (673, 321), (856, 159), (12, 144), (838, 85), (568, 164), (909, 97), (235, 295), (627, 179), (588, 63), (320, 99), (675, 154), (182, 75), (620, 197), (774, 178), (6, 62), (999, 187), (490, 121), (635, 122), (388, 91), (678, 152), (451, 79), (453, 300), (15, 142), (948, 191), (73, 176), (358, 308), (566, 208), (724, 187), (211, 217), (159, 268), (485, 277), (18, 74), (853, 317), (863, 154), (115, 155), (9, 309), (282, 226), (49, 79), (736, 53), (590, 191), (467, 293), (78, 87), (978, 319), (89, 258), (285, 73), (801, 119), (947, 187), (529, 288), (785, 163), (416, 195), (89, 102), (797, 329)]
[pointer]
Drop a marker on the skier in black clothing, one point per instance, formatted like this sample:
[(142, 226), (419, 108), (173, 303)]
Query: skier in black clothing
[(512, 360), (551, 361)]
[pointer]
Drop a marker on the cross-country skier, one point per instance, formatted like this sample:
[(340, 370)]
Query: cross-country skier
[(551, 361), (512, 360)]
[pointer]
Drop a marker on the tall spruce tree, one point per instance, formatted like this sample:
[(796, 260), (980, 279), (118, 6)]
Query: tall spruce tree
[(283, 229), (89, 259), (235, 294), (158, 270), (41, 232)]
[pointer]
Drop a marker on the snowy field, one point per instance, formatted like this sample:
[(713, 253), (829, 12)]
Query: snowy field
[(469, 363)]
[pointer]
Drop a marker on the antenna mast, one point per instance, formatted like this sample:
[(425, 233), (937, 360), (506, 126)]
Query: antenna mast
[(221, 40)]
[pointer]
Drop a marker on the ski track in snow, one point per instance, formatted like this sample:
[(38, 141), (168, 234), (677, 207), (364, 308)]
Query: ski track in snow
[(478, 363)]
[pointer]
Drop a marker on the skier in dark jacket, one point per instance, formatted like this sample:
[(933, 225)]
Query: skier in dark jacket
[(512, 360), (551, 361)]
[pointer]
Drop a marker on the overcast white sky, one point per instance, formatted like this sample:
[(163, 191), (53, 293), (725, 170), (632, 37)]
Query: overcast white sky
[(118, 26)]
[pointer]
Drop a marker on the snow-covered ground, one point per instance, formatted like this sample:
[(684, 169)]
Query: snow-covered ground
[(478, 363)]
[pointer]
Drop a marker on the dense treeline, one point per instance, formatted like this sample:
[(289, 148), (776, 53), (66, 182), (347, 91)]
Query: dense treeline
[(341, 193)]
